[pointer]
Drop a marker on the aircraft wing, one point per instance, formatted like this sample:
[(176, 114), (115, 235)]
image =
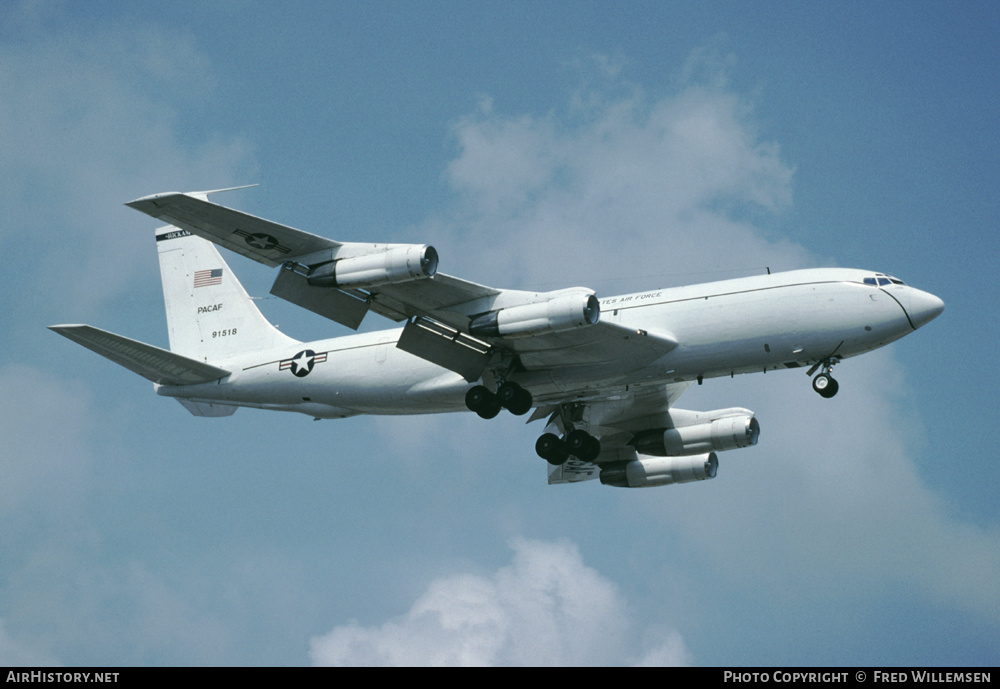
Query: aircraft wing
[(454, 323), (262, 240), (274, 244)]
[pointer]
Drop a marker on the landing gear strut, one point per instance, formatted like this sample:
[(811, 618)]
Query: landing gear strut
[(824, 383)]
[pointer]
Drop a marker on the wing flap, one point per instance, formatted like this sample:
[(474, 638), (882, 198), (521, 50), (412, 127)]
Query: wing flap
[(445, 347), (155, 364), (335, 304)]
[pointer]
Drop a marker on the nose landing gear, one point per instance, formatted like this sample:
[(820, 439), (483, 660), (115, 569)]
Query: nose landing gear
[(825, 385)]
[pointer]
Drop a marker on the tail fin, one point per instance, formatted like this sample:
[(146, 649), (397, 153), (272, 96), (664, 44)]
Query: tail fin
[(210, 317)]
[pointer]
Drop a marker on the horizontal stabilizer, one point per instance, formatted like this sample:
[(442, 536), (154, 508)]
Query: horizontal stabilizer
[(152, 363)]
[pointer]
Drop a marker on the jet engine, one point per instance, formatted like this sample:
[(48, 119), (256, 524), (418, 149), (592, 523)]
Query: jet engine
[(396, 264), (725, 433), (647, 472), (562, 311)]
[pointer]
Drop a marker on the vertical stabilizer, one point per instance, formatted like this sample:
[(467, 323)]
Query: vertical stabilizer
[(210, 317)]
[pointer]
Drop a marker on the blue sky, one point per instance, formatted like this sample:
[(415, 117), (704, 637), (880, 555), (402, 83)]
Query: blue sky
[(542, 145)]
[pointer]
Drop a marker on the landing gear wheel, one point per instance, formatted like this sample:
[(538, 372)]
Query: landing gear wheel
[(583, 445), (480, 400), (515, 399), (552, 449), (825, 385)]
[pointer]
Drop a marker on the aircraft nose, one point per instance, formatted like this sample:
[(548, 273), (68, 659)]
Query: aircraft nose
[(924, 307)]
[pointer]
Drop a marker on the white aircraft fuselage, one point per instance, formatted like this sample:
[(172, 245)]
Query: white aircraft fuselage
[(605, 374), (745, 325)]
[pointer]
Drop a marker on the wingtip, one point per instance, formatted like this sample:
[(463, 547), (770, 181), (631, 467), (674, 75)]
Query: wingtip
[(136, 203), (219, 191), (203, 195)]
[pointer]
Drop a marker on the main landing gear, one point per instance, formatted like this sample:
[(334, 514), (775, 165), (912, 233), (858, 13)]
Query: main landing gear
[(573, 441), (509, 396), (578, 443), (518, 401)]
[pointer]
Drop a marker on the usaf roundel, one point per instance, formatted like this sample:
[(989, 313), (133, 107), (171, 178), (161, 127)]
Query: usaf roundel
[(261, 241), (302, 363)]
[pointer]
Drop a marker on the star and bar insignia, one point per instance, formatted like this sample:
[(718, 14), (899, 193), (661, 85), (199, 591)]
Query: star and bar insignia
[(264, 242), (302, 363)]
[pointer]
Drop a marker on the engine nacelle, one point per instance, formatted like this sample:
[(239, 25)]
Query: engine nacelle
[(561, 312), (397, 264), (726, 433), (647, 472)]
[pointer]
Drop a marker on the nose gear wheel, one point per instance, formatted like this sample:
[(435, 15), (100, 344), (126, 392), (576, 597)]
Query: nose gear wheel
[(824, 383)]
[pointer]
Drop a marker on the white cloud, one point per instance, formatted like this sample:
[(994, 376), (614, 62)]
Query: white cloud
[(629, 187), (546, 608)]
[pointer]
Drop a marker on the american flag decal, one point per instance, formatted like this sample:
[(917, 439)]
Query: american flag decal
[(204, 278)]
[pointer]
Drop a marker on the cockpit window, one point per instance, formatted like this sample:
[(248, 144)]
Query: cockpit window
[(881, 280)]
